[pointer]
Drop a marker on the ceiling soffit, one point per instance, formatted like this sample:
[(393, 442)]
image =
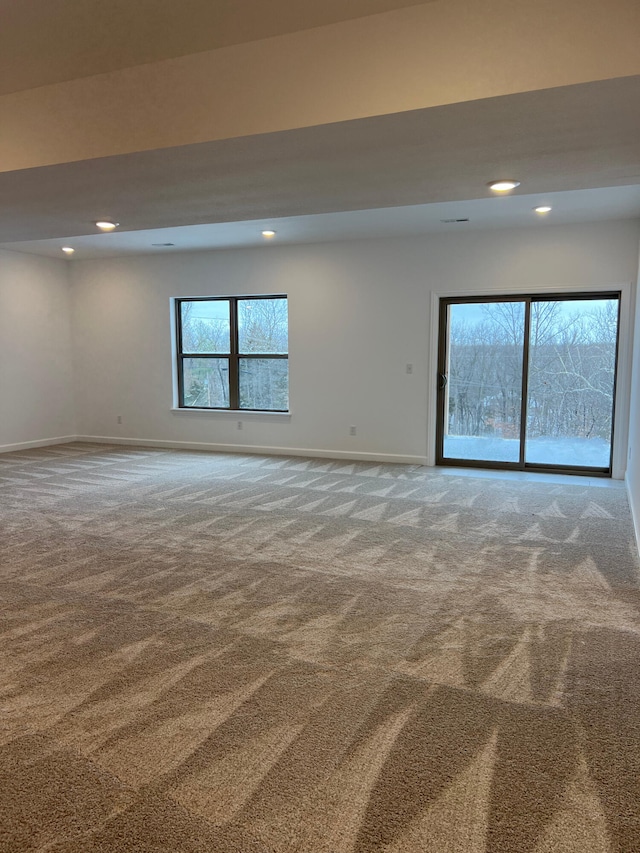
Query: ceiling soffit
[(53, 41), (560, 139)]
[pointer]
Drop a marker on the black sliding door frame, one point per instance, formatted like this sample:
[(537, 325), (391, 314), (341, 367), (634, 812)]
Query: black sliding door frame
[(442, 381)]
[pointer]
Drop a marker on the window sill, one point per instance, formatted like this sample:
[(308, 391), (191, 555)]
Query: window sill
[(236, 413)]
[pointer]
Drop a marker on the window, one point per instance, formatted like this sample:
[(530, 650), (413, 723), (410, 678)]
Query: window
[(528, 381), (233, 353)]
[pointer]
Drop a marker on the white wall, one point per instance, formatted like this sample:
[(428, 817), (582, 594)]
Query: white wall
[(359, 312), (36, 387)]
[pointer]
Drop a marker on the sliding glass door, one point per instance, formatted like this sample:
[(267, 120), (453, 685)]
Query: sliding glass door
[(482, 382), (528, 382)]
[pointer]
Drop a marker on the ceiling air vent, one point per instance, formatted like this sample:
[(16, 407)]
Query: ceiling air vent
[(450, 221)]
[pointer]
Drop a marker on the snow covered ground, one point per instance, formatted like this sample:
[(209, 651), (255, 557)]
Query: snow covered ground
[(586, 452)]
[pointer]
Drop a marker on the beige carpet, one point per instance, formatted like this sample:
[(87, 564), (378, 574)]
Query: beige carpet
[(203, 652)]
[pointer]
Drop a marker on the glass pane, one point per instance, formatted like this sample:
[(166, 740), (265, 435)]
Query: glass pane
[(572, 361), (262, 326), (264, 383), (206, 382), (484, 390), (205, 326)]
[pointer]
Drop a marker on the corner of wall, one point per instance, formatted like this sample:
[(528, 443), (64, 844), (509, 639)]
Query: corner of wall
[(632, 477), (36, 372)]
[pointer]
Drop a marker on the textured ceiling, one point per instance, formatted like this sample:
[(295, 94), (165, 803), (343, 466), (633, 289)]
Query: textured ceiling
[(51, 41), (568, 138), (554, 140), (442, 218)]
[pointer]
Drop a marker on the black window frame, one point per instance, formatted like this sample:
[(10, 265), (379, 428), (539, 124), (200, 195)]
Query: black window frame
[(527, 299), (234, 355)]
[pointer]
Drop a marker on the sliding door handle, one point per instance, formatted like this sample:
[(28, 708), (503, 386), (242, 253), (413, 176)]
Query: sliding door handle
[(442, 381)]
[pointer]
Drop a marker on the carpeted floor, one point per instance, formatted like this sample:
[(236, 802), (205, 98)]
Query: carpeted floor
[(234, 654)]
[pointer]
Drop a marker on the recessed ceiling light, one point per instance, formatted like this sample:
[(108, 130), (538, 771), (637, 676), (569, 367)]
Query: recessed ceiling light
[(268, 234), (105, 225), (542, 209), (68, 250), (504, 185)]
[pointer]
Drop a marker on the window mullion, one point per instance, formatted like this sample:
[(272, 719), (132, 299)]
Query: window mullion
[(524, 401), (234, 370)]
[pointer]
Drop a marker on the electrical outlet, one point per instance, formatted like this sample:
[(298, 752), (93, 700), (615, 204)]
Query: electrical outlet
[(352, 430), (409, 368), (119, 419), (239, 424)]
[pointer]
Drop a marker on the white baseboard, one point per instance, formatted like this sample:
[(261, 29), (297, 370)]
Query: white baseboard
[(42, 442), (634, 513), (352, 455)]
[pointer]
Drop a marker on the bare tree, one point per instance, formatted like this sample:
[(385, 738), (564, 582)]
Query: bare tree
[(571, 371)]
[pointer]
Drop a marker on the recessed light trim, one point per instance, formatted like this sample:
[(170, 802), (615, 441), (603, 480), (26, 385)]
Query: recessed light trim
[(268, 234), (106, 225), (542, 209), (504, 185), (68, 250)]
